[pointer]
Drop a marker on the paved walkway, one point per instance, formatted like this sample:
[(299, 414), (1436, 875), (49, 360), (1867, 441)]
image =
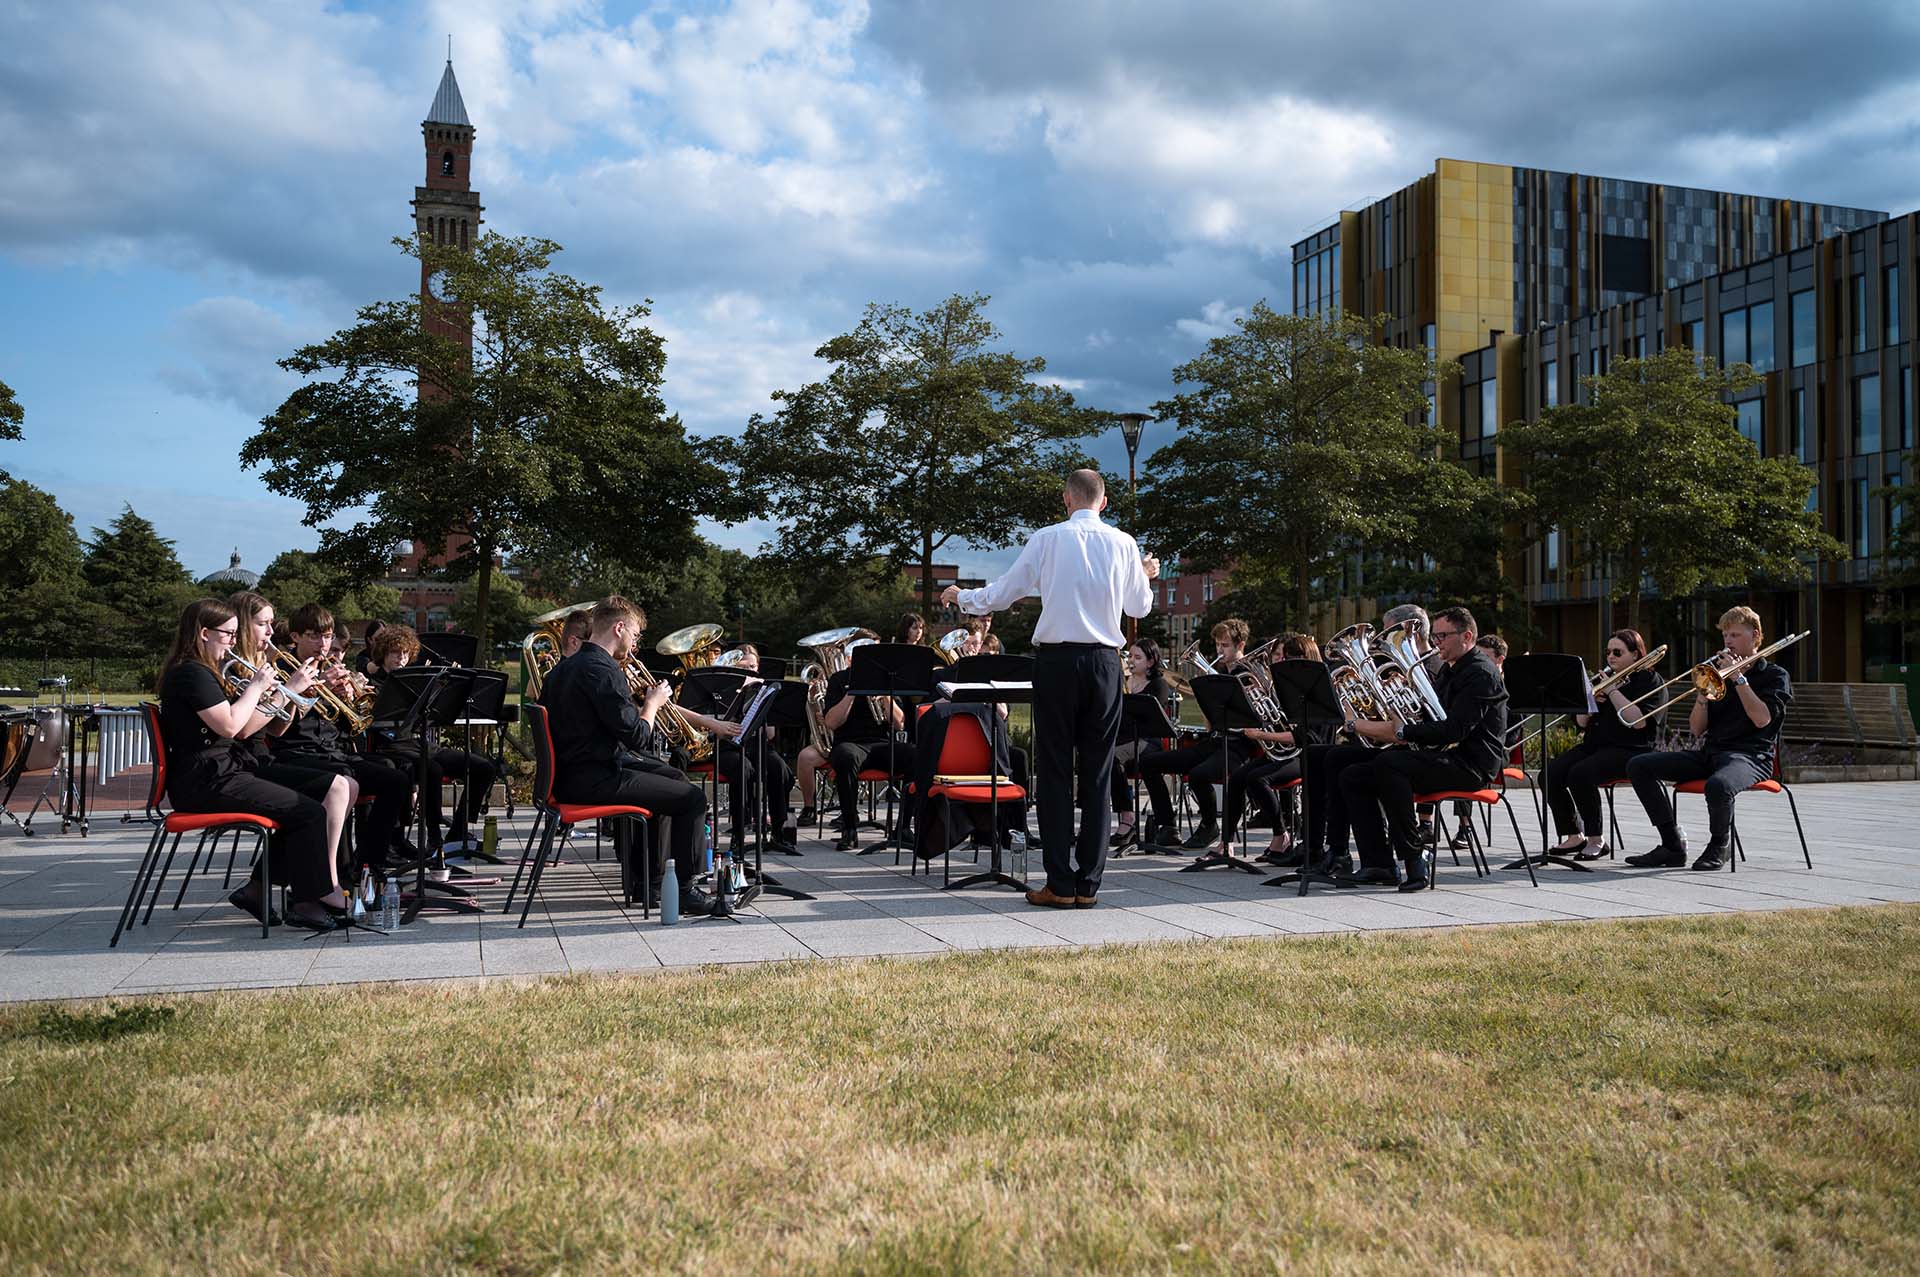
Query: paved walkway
[(59, 897)]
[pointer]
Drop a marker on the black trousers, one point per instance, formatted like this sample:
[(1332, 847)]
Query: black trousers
[(299, 846), (1203, 763), (1726, 775), (1378, 794), (667, 793), (379, 826), (1076, 719), (1573, 783), (851, 757), (1320, 768), (1126, 765), (742, 769), (1251, 782), (477, 770)]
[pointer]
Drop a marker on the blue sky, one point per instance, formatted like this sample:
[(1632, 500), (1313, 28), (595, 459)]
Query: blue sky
[(192, 189)]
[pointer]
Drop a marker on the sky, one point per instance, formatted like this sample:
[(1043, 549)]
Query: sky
[(189, 191)]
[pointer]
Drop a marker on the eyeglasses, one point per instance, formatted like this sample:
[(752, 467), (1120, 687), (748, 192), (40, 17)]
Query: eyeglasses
[(1443, 634), (1616, 651), (233, 633)]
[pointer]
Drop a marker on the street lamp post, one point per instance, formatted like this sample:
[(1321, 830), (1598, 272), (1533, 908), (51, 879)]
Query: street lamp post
[(1132, 424)]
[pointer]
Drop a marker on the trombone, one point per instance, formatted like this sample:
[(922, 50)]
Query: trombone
[(1603, 686), (1710, 678)]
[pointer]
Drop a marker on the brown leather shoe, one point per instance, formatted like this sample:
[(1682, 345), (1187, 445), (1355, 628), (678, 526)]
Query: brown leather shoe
[(1083, 902), (1047, 899)]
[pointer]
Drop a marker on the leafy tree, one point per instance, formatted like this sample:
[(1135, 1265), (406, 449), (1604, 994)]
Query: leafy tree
[(298, 577), (136, 581), (1300, 446), (922, 434), (11, 416), (510, 611), (1898, 572), (42, 591), (551, 430), (1656, 482)]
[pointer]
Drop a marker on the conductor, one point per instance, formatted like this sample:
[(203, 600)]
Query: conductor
[(1085, 573)]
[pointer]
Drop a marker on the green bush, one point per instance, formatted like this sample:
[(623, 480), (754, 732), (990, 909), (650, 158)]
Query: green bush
[(124, 674)]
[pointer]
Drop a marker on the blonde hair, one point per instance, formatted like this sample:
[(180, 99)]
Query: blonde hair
[(1741, 615)]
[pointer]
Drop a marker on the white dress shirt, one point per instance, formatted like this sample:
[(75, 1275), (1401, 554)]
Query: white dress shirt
[(1085, 573)]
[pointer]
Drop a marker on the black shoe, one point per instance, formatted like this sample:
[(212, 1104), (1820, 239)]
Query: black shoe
[(849, 841), (1461, 841), (696, 904), (1124, 837), (808, 816), (1292, 858), (1375, 877), (1205, 836), (1714, 857), (781, 847), (252, 908), (1661, 857), (1419, 874), (1164, 838), (311, 915)]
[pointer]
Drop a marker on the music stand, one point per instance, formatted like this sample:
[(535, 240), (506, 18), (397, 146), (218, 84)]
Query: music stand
[(895, 670), (447, 648), (1305, 692), (485, 707), (993, 679), (1142, 717), (1544, 684), (1224, 703), (785, 706), (410, 702)]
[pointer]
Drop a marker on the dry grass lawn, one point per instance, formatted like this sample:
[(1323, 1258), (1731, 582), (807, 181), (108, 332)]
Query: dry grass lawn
[(1728, 1094)]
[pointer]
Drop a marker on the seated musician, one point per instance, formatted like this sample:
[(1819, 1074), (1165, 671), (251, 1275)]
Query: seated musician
[(313, 738), (393, 647), (1204, 763), (1737, 737), (600, 738), (740, 765), (1612, 738), (573, 632), (860, 743), (210, 770), (1464, 750), (364, 665), (1258, 779), (911, 629), (1146, 675)]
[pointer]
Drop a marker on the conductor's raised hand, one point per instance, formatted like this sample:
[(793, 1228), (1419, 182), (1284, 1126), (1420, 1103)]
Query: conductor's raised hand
[(1151, 566), (950, 597)]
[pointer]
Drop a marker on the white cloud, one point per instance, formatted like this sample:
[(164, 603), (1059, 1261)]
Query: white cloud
[(1216, 319)]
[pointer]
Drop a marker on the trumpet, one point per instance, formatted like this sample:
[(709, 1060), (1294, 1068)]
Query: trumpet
[(1710, 677), (329, 704), (237, 671), (1604, 685)]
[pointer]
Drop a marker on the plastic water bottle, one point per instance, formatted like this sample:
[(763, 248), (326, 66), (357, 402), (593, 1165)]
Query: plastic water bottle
[(356, 898), (670, 895), (706, 852), (390, 905), (490, 837)]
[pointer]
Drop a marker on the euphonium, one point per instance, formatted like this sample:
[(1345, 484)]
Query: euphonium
[(673, 727), (832, 652), (540, 649), (1398, 644)]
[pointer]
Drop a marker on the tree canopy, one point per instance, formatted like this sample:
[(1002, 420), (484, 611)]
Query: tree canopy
[(136, 586), (11, 417), (553, 430), (298, 577), (923, 434), (42, 591), (1655, 482), (1302, 447)]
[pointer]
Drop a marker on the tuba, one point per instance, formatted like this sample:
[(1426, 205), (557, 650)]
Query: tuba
[(540, 650), (829, 652), (1396, 642), (693, 646)]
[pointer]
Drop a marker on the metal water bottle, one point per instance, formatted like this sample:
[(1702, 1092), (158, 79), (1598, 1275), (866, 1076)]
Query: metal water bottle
[(490, 837), (706, 851), (670, 895)]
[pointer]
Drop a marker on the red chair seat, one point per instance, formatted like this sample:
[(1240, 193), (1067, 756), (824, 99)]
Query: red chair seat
[(577, 813), (1700, 787), (1512, 773), (185, 822), (1295, 783), (1488, 796), (977, 793)]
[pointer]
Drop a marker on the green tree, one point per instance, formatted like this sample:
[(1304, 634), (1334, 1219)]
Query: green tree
[(11, 417), (922, 434), (1656, 482), (135, 580), (551, 430), (42, 591), (1301, 446), (1898, 572), (298, 577), (510, 611)]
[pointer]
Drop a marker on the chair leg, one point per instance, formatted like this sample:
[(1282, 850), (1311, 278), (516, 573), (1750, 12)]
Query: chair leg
[(539, 862), (1797, 828), (265, 849), (1613, 827), (139, 883), (193, 863), (153, 897), (539, 819)]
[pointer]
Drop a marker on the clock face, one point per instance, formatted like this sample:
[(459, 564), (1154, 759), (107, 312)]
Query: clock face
[(438, 283)]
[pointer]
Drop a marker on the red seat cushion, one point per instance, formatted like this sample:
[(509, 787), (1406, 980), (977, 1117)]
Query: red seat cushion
[(1488, 796), (976, 793), (1766, 786), (1295, 783), (700, 769), (185, 822), (874, 774), (575, 813), (1512, 773), (1700, 787)]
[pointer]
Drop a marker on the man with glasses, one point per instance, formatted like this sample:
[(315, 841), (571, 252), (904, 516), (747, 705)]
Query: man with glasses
[(1465, 750)]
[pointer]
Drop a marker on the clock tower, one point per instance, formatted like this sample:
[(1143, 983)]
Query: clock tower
[(446, 211)]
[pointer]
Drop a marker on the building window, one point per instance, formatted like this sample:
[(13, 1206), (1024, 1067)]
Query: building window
[(1550, 384), (1733, 338), (1300, 288), (1553, 550), (1860, 522), (1751, 419), (1489, 409), (1334, 268), (1427, 338), (1866, 415), (1797, 432), (1805, 329), (1206, 590), (1859, 313), (446, 164), (1760, 336), (1890, 307), (1906, 408), (1696, 332)]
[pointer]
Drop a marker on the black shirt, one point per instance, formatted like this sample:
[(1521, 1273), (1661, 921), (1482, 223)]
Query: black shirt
[(309, 733), (594, 719), (1605, 727), (1474, 697), (196, 754), (1730, 731), (861, 725)]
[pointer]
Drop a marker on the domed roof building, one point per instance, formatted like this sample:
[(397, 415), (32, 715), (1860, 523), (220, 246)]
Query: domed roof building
[(232, 578)]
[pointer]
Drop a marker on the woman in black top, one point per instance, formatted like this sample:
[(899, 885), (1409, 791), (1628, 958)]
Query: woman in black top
[(1613, 735), (209, 769), (1146, 673)]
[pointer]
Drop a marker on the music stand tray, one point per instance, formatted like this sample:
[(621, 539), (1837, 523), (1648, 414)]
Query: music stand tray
[(1545, 684), (1224, 703)]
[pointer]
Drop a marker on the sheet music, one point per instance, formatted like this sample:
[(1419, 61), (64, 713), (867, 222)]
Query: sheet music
[(949, 689)]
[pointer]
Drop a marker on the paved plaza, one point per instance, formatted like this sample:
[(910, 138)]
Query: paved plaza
[(60, 895)]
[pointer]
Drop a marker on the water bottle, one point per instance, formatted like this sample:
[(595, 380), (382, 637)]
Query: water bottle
[(357, 897), (706, 852), (670, 895), (490, 838), (390, 905)]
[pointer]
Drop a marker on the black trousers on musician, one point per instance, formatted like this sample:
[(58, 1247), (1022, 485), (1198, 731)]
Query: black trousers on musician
[(476, 769), (1203, 763), (1076, 720), (1253, 782), (851, 757), (1726, 776), (667, 793), (1327, 822), (1378, 797), (299, 845), (1573, 783), (748, 775)]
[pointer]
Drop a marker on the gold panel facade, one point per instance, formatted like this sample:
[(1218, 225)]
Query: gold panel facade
[(1473, 251)]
